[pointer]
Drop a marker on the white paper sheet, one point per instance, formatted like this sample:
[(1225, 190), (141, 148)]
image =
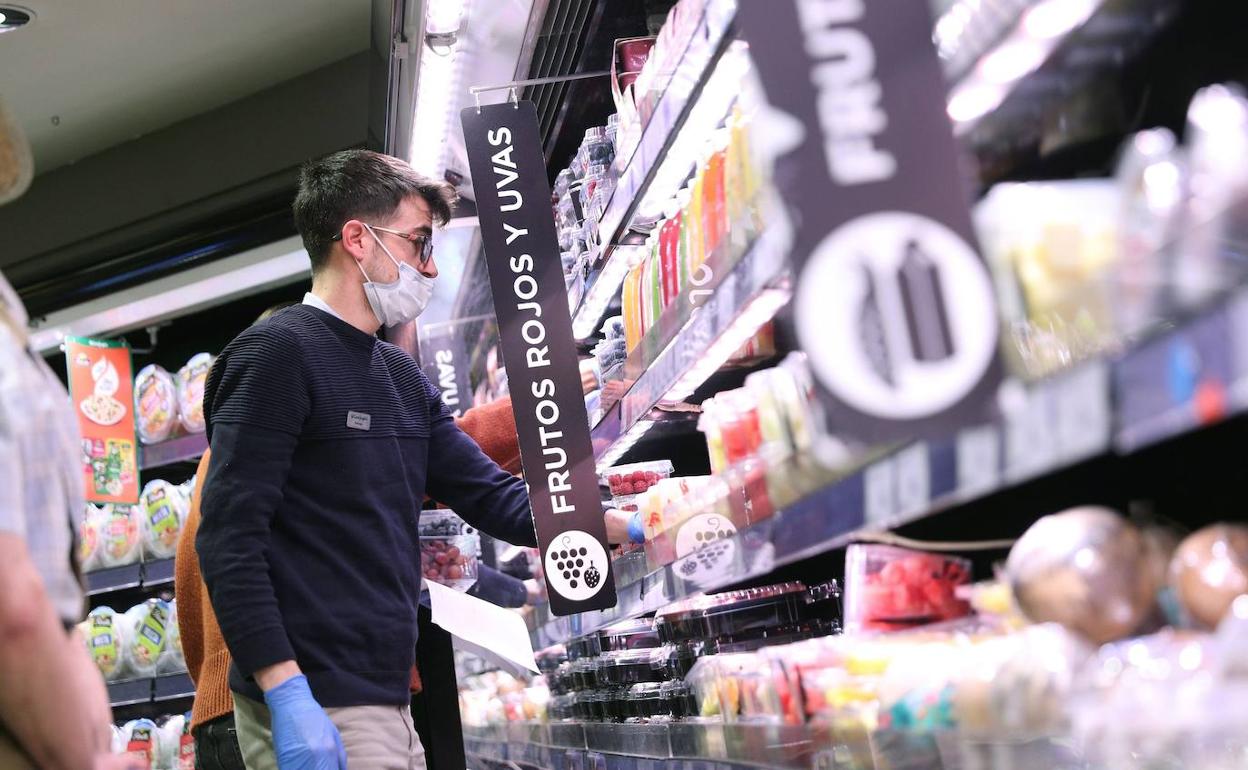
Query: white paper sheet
[(487, 630)]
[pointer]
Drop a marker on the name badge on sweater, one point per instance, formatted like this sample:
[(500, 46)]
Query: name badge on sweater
[(359, 420)]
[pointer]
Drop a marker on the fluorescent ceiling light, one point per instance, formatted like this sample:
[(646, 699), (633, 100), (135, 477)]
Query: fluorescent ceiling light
[(1054, 18), (437, 89), (177, 295), (1013, 60)]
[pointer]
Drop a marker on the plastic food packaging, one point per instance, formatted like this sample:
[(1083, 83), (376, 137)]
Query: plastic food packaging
[(451, 561), (89, 538), (587, 646), (140, 738), (629, 480), (627, 667), (120, 541), (163, 508), (155, 404), (148, 624), (1210, 570), (190, 382), (889, 588), (171, 659), (105, 639), (752, 613), (629, 635), (1086, 568)]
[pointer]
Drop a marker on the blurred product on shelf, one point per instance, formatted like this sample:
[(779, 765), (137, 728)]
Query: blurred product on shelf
[(163, 507), (889, 588), (1088, 265), (708, 227), (190, 384), (155, 404), (111, 536), (167, 405), (1210, 571), (164, 744), (1086, 568), (449, 549), (142, 642)]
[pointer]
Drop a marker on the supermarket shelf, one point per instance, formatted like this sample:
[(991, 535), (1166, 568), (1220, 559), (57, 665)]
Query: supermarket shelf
[(703, 746), (176, 450), (690, 342), (671, 116), (1013, 61), (149, 574), (1147, 395), (159, 689)]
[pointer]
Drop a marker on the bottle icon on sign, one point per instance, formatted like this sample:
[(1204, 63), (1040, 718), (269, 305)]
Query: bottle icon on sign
[(923, 300), (871, 330)]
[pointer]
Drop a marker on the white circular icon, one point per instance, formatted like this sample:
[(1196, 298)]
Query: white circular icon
[(576, 565), (897, 315), (705, 549), (700, 531)]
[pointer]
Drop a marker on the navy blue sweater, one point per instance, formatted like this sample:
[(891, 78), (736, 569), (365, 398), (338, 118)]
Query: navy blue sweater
[(325, 441)]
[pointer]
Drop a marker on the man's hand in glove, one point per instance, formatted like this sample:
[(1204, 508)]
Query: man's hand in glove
[(304, 738)]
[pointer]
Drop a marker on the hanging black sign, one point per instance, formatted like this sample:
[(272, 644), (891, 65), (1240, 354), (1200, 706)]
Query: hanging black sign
[(445, 362), (893, 305), (535, 327)]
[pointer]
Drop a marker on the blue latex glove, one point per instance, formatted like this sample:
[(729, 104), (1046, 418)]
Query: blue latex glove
[(304, 738)]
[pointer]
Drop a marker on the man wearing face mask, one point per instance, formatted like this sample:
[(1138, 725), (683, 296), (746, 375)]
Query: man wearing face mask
[(325, 441)]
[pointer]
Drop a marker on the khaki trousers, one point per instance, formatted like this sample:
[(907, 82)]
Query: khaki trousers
[(376, 737)]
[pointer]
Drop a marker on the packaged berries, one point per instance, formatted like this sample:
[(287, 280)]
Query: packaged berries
[(449, 550), (627, 480)]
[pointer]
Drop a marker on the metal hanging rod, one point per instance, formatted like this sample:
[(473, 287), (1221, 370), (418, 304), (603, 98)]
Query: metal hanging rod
[(476, 91)]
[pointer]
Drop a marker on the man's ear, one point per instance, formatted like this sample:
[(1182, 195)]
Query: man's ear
[(356, 239)]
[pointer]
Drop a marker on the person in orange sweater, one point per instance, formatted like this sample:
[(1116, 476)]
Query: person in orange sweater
[(492, 426)]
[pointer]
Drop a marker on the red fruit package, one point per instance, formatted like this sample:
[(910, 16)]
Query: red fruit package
[(889, 588)]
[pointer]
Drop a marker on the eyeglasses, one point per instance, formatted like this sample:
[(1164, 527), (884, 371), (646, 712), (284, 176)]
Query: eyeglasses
[(422, 242)]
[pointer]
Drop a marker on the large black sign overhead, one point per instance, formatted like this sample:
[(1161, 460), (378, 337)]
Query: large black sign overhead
[(535, 327), (893, 305), (445, 362)]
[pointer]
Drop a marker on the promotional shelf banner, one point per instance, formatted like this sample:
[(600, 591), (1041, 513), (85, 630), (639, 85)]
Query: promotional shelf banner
[(893, 304), (535, 328), (101, 386)]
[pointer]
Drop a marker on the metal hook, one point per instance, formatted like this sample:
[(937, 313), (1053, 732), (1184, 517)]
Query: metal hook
[(476, 97), (514, 98)]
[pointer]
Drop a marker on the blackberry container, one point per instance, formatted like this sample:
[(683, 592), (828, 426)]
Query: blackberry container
[(627, 667), (587, 646), (751, 613), (629, 635), (586, 674)]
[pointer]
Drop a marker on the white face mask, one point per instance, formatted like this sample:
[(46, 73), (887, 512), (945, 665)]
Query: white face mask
[(402, 300)]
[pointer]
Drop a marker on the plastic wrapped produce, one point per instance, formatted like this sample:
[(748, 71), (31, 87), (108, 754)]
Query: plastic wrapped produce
[(164, 508), (449, 549), (171, 659), (155, 404), (105, 639), (1086, 568), (89, 539), (1209, 570), (889, 588), (119, 536), (141, 738), (148, 624), (190, 386)]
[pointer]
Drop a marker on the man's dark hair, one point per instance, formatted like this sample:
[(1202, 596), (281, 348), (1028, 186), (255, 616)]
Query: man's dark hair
[(359, 184)]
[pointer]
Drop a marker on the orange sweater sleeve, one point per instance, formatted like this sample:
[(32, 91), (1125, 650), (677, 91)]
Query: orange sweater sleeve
[(493, 427), (188, 585)]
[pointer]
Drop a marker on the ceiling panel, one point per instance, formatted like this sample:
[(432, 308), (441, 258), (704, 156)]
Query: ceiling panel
[(87, 75)]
